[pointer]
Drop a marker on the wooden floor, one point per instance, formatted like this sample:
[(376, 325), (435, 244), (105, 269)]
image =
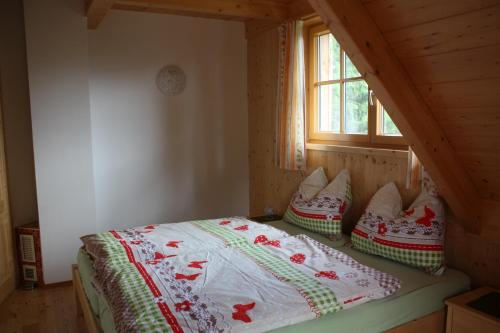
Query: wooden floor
[(49, 310)]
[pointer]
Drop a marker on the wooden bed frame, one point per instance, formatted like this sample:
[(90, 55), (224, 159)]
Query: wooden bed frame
[(432, 323)]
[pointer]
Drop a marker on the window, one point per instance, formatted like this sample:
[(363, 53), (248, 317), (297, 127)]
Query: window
[(342, 108)]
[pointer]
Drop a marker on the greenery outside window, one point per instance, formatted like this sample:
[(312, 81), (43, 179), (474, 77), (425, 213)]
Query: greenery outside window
[(342, 108)]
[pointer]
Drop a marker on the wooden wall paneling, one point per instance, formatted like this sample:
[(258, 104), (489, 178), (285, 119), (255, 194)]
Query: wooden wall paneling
[(462, 94), (477, 255), (368, 172), (449, 34), (7, 268), (464, 65), (397, 14), (351, 24), (473, 132), (488, 180), (272, 187)]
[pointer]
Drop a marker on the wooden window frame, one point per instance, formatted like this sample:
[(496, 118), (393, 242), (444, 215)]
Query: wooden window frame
[(375, 138)]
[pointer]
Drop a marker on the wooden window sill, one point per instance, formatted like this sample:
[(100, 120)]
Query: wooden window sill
[(399, 153)]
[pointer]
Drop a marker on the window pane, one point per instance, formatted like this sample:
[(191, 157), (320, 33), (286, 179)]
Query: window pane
[(328, 58), (350, 69), (388, 126), (356, 107), (329, 108)]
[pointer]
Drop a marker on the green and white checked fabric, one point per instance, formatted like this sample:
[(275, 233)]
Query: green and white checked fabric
[(333, 227), (115, 253), (429, 260), (135, 306), (227, 235), (136, 300), (140, 301), (319, 297)]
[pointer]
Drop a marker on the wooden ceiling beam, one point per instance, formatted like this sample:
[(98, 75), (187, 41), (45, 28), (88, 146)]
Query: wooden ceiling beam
[(300, 9), (96, 10), (226, 9), (351, 24)]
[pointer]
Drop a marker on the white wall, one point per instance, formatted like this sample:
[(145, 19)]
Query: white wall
[(165, 159), (59, 91), (116, 152)]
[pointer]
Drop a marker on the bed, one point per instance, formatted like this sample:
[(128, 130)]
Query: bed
[(417, 305)]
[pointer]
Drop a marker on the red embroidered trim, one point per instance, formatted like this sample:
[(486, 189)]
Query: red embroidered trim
[(128, 250), (353, 299), (169, 316), (421, 247), (336, 218)]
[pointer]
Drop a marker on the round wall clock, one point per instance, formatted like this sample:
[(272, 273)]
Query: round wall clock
[(171, 80)]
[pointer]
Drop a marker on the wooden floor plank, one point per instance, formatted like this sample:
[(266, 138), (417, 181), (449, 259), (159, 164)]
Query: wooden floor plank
[(50, 310)]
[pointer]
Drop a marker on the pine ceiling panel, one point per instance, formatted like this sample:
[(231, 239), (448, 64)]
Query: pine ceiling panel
[(451, 51), (397, 14)]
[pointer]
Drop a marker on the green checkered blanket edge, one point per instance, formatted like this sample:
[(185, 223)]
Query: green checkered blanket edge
[(137, 295), (320, 226), (417, 258), (228, 236), (319, 297)]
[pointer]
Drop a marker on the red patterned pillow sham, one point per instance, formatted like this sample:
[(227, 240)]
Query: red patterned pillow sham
[(323, 213), (415, 237)]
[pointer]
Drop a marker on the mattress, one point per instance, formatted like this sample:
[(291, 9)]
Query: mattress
[(421, 294)]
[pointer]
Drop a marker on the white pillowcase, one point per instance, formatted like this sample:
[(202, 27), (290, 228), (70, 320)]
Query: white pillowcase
[(425, 199), (386, 202), (314, 183), (338, 187)]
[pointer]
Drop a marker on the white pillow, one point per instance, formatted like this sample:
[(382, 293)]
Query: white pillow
[(338, 187), (417, 208), (386, 202), (314, 183)]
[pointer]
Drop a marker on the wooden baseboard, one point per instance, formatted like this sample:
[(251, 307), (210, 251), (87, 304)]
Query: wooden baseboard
[(82, 303)]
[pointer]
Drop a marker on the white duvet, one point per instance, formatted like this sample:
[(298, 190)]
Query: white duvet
[(225, 275)]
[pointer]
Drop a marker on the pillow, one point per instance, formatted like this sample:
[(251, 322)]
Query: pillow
[(337, 188), (314, 183), (323, 213), (386, 202), (414, 237)]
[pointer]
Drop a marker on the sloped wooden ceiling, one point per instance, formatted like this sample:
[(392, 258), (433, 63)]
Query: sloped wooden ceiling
[(451, 50), (444, 58)]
